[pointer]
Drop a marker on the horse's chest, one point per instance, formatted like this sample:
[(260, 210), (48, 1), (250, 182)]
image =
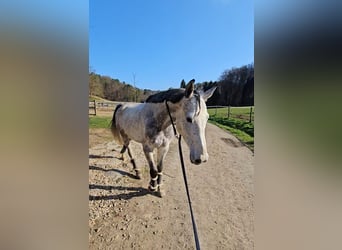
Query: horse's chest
[(160, 138)]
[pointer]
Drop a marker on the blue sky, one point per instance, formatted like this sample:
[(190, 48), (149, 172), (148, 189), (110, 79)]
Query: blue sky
[(163, 42)]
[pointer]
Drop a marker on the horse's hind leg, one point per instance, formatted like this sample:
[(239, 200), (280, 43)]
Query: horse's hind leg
[(137, 171), (123, 150)]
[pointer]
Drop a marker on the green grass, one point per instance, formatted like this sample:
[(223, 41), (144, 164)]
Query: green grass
[(244, 133), (99, 122), (238, 123), (241, 125), (235, 112)]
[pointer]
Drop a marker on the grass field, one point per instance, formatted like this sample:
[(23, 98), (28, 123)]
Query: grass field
[(242, 113), (99, 122), (96, 98)]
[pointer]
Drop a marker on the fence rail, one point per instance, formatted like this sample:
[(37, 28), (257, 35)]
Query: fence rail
[(94, 106)]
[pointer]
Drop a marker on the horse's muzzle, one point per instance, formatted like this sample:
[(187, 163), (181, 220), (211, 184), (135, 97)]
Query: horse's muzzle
[(199, 161)]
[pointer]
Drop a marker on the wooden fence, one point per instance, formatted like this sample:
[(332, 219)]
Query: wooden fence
[(95, 106), (92, 107), (242, 113)]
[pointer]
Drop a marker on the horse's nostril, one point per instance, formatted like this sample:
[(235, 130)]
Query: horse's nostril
[(189, 120), (198, 161)]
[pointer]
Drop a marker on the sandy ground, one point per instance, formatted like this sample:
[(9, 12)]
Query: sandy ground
[(124, 215)]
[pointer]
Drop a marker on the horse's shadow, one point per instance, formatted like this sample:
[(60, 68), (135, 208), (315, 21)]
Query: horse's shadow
[(135, 192), (124, 173), (91, 156)]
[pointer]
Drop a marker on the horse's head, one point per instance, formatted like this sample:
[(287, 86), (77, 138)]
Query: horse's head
[(191, 120)]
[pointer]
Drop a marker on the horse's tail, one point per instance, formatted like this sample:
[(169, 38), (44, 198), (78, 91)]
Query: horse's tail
[(113, 127)]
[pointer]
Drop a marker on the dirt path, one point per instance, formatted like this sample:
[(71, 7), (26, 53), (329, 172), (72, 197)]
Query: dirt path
[(124, 215)]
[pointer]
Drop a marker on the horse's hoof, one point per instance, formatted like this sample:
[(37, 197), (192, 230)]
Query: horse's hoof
[(156, 191), (153, 189), (161, 193)]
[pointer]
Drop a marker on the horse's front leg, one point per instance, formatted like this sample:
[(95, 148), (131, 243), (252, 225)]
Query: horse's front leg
[(160, 159), (153, 171)]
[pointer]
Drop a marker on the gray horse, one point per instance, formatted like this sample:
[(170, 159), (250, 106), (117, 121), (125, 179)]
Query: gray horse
[(150, 124)]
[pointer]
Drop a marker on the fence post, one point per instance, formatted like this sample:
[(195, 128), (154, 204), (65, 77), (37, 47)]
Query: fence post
[(228, 112), (250, 114), (95, 106)]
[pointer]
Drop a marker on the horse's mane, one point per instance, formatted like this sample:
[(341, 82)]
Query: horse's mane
[(172, 95)]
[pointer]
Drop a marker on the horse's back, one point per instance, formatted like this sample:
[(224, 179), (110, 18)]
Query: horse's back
[(131, 122), (137, 122)]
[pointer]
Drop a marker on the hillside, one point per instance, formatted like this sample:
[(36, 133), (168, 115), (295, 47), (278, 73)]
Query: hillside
[(114, 90), (235, 87)]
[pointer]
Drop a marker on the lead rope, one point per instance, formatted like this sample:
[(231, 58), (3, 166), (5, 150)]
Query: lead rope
[(185, 179)]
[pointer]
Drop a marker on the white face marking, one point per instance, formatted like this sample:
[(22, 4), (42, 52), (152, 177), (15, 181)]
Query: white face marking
[(191, 122)]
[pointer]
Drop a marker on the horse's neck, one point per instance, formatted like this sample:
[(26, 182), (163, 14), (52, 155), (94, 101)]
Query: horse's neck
[(161, 114)]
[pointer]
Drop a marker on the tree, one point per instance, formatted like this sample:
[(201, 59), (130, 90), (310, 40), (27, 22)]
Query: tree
[(94, 85), (136, 90), (233, 85)]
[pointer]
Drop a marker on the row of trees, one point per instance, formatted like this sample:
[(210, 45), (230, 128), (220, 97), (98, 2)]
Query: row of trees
[(114, 90), (235, 87)]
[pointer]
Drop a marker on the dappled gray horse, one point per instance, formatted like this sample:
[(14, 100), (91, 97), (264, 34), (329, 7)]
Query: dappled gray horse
[(150, 124)]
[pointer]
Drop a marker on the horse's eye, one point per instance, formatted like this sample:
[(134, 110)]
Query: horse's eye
[(189, 119)]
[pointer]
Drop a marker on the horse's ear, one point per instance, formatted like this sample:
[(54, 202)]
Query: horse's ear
[(189, 90), (207, 94)]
